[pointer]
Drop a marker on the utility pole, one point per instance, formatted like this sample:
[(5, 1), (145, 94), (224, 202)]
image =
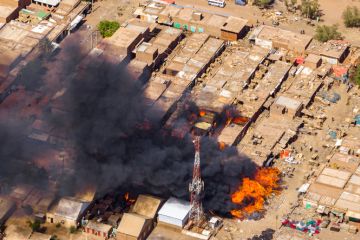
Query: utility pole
[(196, 187)]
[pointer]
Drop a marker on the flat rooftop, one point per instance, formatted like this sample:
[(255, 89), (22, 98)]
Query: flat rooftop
[(282, 38), (6, 10), (234, 24)]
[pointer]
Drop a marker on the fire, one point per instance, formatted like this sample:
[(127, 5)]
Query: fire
[(252, 194), (202, 113), (222, 145), (240, 120), (128, 200), (233, 116)]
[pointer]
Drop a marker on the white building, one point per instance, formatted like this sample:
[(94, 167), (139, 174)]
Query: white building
[(174, 212)]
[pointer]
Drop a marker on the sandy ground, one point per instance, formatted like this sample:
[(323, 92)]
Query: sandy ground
[(114, 10), (332, 10)]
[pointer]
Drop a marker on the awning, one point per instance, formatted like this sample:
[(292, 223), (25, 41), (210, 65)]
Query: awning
[(75, 22), (304, 188), (353, 214), (49, 2)]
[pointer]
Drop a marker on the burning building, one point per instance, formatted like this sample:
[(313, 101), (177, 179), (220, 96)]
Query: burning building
[(252, 194)]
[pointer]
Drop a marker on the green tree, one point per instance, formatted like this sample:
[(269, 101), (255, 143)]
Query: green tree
[(325, 33), (263, 3), (310, 8), (108, 28), (356, 76), (351, 17), (34, 225)]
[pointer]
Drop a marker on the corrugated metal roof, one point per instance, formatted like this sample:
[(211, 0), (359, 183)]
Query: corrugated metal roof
[(70, 208), (175, 208), (49, 2)]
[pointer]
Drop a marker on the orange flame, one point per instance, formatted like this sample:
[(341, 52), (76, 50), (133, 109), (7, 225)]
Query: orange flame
[(222, 145), (128, 199), (252, 193), (202, 113), (240, 120)]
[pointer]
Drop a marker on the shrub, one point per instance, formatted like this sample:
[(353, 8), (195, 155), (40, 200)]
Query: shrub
[(310, 8), (356, 77), (325, 33), (351, 17), (108, 28), (35, 225), (263, 3)]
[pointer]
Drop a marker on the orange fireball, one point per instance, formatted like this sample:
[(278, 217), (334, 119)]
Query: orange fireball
[(252, 194)]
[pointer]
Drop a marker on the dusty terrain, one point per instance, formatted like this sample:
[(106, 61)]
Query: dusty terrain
[(332, 10)]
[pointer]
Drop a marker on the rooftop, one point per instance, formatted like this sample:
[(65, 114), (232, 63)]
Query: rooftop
[(6, 10), (234, 24), (175, 208), (288, 102), (282, 38), (332, 48), (5, 206), (146, 206), (131, 224), (70, 208), (39, 236), (101, 227)]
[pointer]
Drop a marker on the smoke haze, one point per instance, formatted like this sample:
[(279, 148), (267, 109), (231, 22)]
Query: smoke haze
[(105, 109)]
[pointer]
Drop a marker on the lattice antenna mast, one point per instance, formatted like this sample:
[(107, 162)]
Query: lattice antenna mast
[(196, 187)]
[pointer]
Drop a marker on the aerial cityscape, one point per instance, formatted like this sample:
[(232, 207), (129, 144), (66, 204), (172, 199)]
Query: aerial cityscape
[(179, 119)]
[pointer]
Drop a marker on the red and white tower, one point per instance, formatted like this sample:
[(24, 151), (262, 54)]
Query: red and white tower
[(196, 187)]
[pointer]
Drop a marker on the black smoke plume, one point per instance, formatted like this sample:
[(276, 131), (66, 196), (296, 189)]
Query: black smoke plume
[(104, 111)]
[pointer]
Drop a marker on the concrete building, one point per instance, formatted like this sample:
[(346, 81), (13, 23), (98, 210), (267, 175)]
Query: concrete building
[(312, 61), (39, 236), (273, 37), (286, 105), (123, 41), (9, 9), (333, 51), (234, 29), (101, 230), (7, 207), (133, 227), (67, 212), (146, 206), (15, 232), (140, 221), (174, 213)]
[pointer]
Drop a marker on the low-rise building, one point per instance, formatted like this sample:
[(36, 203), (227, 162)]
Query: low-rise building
[(100, 230), (134, 227), (234, 28), (333, 51), (273, 37), (312, 61), (336, 188), (39, 236), (7, 207), (286, 105), (67, 212), (139, 223), (174, 212)]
